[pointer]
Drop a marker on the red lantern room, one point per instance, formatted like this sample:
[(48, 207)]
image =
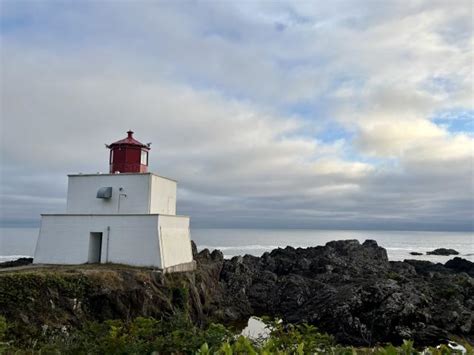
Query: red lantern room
[(128, 155)]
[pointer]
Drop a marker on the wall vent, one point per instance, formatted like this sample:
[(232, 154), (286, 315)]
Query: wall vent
[(105, 192)]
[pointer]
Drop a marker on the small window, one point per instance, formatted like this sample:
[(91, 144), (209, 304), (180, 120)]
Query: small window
[(111, 156), (144, 158)]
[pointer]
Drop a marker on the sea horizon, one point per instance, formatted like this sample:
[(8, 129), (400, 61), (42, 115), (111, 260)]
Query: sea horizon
[(396, 229)]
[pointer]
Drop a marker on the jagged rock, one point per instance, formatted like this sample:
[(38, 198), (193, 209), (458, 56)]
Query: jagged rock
[(17, 262), (425, 267), (194, 249), (352, 291), (443, 251), (461, 265)]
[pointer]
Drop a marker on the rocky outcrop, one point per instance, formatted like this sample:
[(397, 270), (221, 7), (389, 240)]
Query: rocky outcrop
[(415, 253), (461, 265), (352, 291), (348, 289), (17, 262), (443, 251)]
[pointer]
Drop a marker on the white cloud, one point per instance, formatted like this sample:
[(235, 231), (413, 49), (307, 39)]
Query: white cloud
[(215, 89), (395, 137)]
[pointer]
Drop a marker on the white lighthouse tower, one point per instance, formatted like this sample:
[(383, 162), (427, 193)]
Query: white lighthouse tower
[(127, 216)]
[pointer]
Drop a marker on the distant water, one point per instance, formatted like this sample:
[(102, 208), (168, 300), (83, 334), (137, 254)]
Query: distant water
[(18, 242), (398, 244)]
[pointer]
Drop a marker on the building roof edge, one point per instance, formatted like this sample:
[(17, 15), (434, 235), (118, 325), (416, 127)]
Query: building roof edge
[(111, 214), (109, 174)]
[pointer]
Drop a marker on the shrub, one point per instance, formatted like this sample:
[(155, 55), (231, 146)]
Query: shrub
[(3, 327), (178, 335)]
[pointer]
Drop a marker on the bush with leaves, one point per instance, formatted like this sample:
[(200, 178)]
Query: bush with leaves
[(3, 330), (178, 335)]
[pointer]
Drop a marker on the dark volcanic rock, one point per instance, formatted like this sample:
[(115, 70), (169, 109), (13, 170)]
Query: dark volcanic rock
[(352, 291), (443, 251), (415, 253), (461, 265), (425, 267), (17, 262)]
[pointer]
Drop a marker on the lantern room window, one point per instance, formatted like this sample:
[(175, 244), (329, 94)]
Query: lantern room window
[(144, 158)]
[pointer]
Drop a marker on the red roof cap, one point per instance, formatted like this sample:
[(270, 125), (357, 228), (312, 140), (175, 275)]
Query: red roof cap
[(129, 141)]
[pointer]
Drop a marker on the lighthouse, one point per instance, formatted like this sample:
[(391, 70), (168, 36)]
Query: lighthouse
[(127, 216)]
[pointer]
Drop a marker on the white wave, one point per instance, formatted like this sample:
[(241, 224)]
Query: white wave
[(13, 257), (237, 247), (407, 249)]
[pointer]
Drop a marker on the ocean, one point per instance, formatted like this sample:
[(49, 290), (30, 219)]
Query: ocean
[(18, 242)]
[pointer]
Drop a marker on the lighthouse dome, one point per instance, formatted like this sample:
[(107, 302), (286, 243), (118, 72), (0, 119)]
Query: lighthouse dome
[(129, 140), (128, 155)]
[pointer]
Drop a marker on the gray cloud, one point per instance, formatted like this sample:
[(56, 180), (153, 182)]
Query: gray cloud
[(213, 88)]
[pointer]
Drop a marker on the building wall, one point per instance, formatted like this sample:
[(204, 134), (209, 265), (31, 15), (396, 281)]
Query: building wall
[(163, 195), (142, 240), (140, 194), (132, 239), (82, 192), (175, 240)]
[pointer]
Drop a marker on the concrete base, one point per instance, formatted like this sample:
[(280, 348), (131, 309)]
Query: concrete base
[(191, 266)]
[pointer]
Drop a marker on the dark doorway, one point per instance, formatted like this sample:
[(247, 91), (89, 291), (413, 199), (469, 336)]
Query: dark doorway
[(95, 247)]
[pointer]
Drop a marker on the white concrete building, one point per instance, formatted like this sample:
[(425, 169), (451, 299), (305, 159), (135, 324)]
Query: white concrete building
[(120, 217)]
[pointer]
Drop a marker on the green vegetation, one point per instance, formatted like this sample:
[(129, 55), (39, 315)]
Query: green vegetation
[(33, 283), (178, 335), (3, 329)]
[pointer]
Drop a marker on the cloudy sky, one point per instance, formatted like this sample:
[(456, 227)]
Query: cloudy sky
[(327, 114)]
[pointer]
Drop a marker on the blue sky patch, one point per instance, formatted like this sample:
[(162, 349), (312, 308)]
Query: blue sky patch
[(456, 121)]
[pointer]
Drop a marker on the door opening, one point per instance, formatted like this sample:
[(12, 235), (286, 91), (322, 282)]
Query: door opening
[(95, 247)]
